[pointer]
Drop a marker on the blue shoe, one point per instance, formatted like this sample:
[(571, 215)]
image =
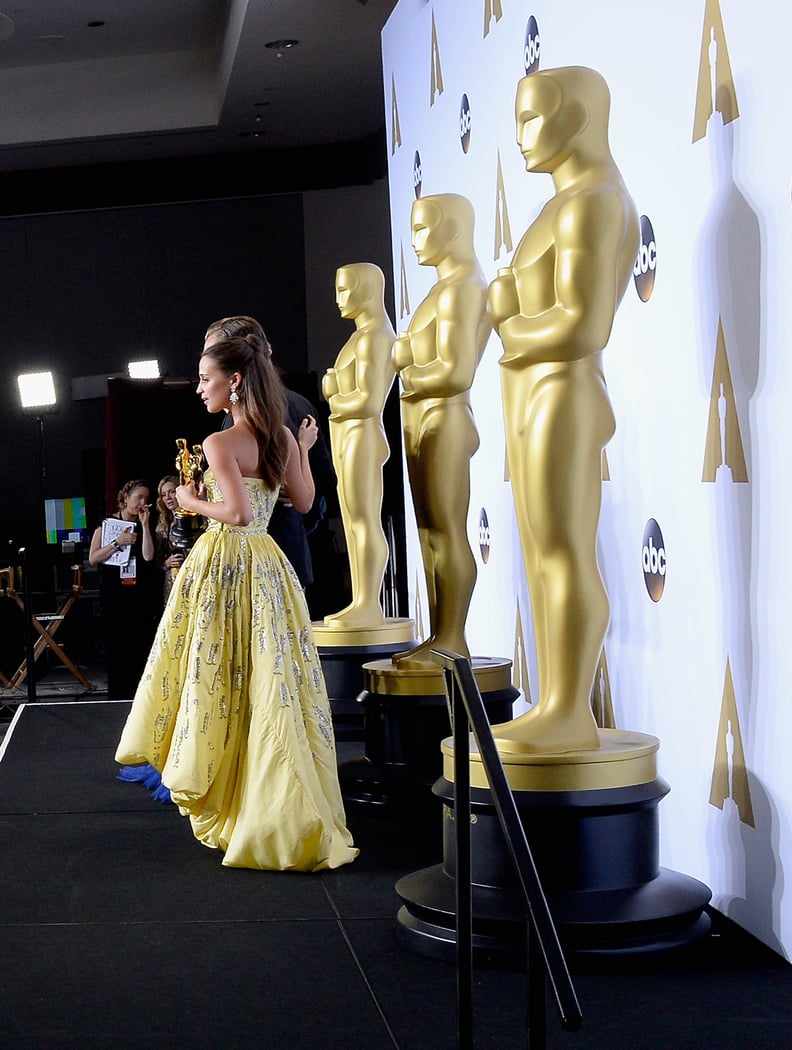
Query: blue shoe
[(147, 775)]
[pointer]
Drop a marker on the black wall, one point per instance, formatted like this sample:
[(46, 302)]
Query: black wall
[(106, 264), (85, 292)]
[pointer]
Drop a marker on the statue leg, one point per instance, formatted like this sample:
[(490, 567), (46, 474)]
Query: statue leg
[(360, 495), (559, 489), (449, 440), (419, 656)]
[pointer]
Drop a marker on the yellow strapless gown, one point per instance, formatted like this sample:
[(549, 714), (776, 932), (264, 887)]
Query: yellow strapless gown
[(232, 707)]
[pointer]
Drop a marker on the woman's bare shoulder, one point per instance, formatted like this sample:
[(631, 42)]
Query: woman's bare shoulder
[(212, 440), (226, 440)]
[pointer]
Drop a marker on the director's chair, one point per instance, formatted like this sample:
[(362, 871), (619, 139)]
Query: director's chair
[(46, 624)]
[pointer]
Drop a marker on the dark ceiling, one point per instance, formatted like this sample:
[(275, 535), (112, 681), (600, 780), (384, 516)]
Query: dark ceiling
[(207, 89)]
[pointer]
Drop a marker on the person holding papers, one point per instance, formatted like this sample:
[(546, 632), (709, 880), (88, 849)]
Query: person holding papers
[(122, 548)]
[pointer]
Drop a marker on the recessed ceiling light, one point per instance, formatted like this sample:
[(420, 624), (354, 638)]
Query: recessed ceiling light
[(281, 45)]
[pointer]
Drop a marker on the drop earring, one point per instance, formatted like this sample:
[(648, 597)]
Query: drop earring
[(233, 397)]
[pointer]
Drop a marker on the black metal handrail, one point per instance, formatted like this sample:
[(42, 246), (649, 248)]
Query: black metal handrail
[(544, 955)]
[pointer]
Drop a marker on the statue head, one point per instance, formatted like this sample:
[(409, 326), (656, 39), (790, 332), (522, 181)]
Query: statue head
[(558, 112), (359, 285), (442, 225)]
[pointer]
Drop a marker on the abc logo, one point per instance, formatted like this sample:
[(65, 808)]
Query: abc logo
[(531, 46), (645, 262), (484, 536), (464, 123), (653, 560), (417, 174)]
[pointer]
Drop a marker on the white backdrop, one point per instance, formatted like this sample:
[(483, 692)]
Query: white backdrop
[(699, 372)]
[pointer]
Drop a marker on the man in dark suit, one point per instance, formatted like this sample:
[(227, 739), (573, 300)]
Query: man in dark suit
[(287, 526)]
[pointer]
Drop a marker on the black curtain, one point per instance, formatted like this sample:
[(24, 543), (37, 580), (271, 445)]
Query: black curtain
[(144, 419)]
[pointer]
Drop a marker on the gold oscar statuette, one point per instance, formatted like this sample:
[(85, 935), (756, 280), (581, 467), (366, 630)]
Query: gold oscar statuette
[(187, 524)]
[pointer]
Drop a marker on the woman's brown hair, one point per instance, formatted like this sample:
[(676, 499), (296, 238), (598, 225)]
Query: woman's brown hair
[(261, 397), (127, 489)]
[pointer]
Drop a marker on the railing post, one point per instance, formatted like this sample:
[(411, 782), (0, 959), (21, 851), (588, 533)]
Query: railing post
[(463, 885), (536, 1022), (27, 601), (544, 956)]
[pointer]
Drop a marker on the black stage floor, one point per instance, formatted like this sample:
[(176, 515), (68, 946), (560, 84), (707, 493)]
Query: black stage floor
[(118, 929)]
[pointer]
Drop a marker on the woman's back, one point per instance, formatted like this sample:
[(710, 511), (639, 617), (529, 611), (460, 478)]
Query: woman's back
[(239, 442)]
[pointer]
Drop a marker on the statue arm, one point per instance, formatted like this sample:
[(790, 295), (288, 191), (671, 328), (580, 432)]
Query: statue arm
[(330, 384), (374, 375), (459, 313), (588, 241)]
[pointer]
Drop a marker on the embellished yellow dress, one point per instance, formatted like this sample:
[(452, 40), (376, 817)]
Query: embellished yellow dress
[(232, 707)]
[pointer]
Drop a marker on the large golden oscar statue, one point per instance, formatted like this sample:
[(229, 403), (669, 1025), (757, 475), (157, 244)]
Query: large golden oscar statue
[(436, 359), (587, 796), (553, 310), (356, 388)]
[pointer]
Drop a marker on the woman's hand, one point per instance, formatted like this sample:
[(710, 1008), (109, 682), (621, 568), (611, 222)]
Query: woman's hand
[(187, 494), (126, 538), (307, 434), (173, 561)]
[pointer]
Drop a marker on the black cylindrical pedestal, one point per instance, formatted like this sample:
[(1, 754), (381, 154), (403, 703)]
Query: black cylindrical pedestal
[(342, 666), (185, 530), (596, 853), (403, 733)]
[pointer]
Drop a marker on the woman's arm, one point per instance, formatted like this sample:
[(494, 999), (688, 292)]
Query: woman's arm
[(99, 553), (298, 481), (147, 540), (234, 508), (162, 552)]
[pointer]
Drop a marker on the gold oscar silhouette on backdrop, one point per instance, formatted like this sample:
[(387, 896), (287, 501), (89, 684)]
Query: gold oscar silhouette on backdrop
[(356, 389), (553, 309), (437, 360)]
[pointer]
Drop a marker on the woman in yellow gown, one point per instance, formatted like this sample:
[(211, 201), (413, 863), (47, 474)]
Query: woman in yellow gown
[(232, 707)]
